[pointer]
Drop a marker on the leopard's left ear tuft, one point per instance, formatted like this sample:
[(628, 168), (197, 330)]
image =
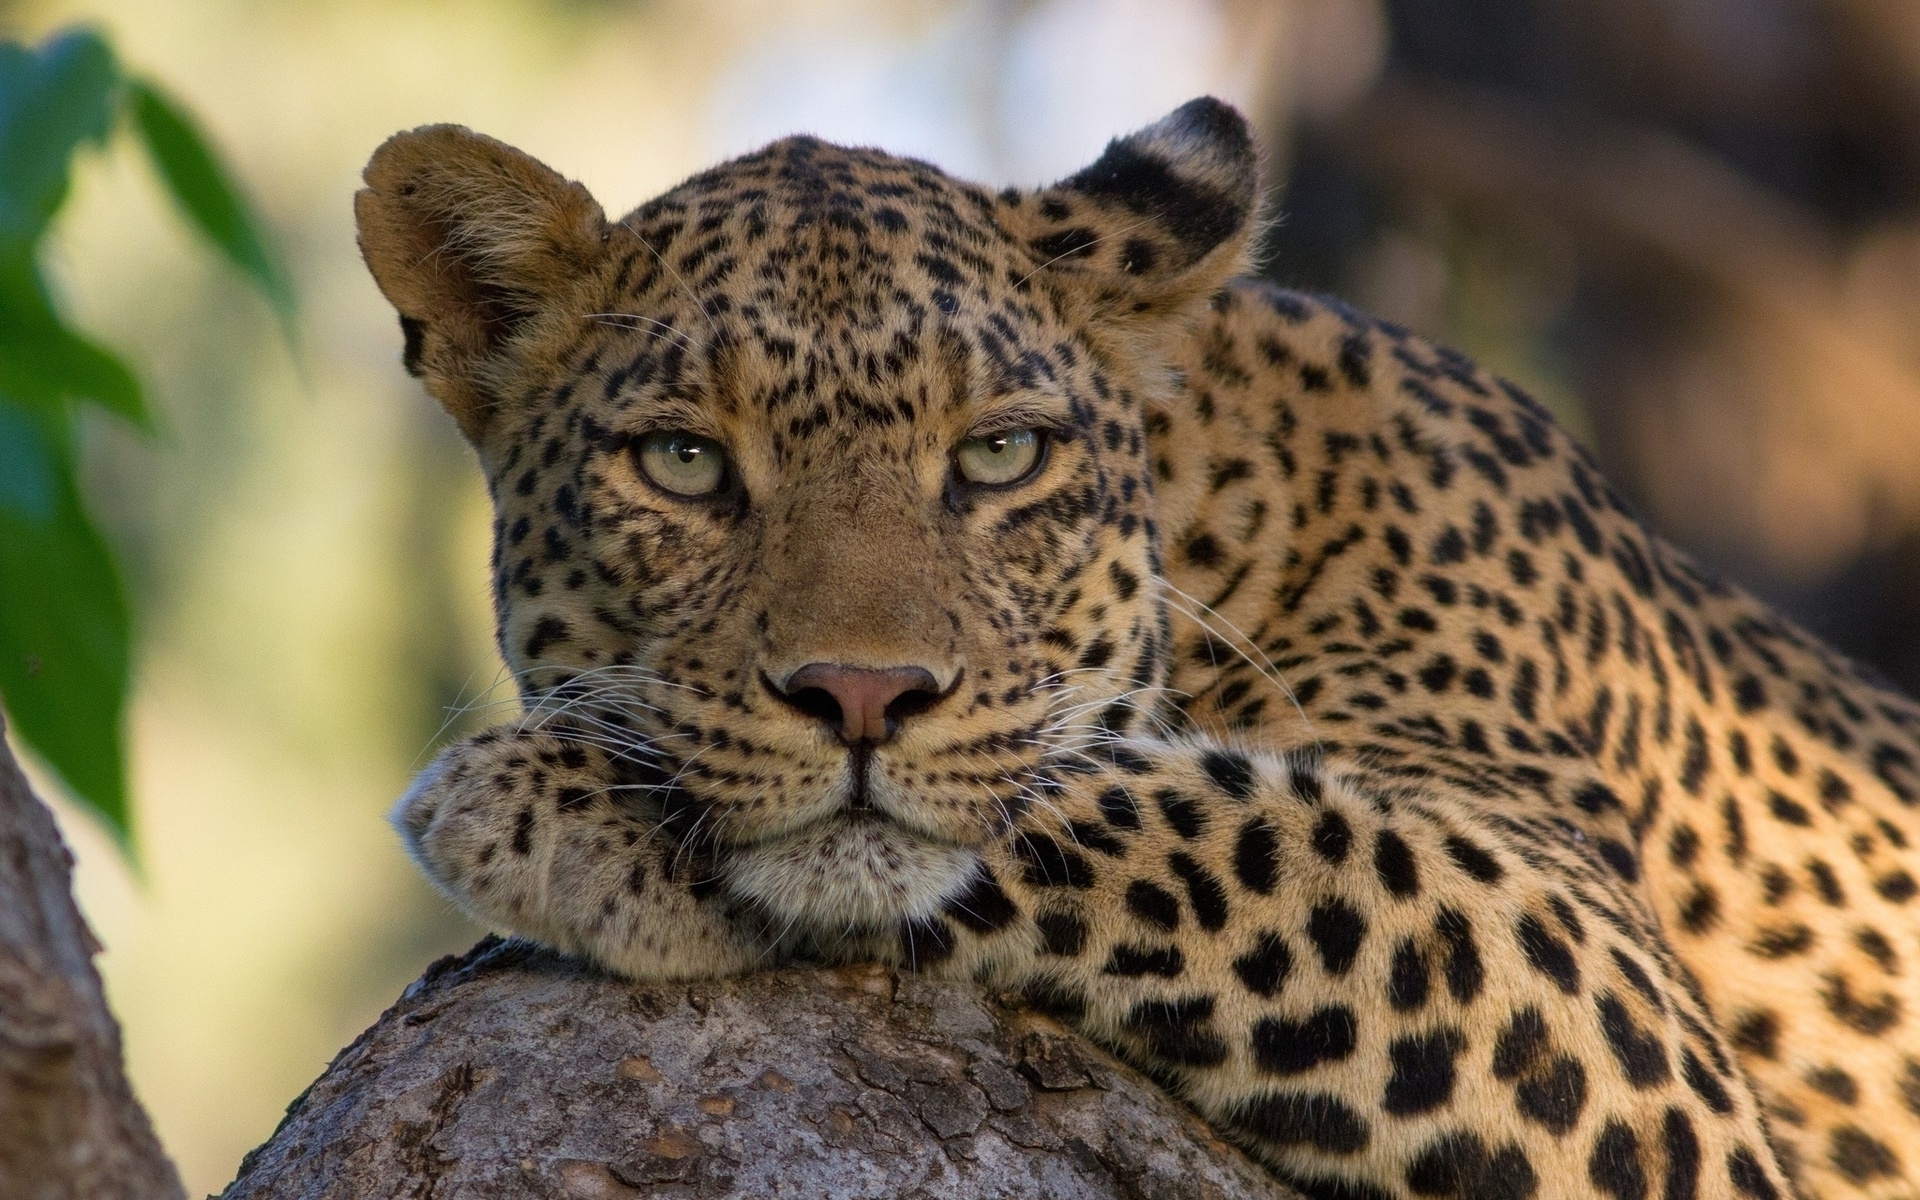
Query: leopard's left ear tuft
[(1163, 217), (471, 240)]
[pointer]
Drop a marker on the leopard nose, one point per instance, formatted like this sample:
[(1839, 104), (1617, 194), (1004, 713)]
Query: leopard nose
[(861, 704)]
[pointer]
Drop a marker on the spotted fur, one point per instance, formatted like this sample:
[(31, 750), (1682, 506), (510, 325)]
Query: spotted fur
[(1315, 727)]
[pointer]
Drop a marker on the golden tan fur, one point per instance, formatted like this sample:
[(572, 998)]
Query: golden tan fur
[(1314, 725)]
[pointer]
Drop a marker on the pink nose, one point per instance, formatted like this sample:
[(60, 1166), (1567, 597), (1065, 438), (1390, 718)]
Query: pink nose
[(861, 703)]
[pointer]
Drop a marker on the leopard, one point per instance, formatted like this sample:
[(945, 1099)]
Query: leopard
[(1013, 587)]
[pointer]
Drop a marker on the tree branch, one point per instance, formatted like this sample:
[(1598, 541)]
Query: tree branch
[(70, 1128), (512, 1072)]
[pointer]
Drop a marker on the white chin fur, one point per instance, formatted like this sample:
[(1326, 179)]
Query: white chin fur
[(835, 875)]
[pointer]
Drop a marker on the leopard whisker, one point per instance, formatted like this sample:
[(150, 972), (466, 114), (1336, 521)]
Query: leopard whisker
[(679, 279), (773, 943), (457, 710), (1120, 232), (619, 740), (663, 332), (1038, 800), (1263, 667), (1150, 712)]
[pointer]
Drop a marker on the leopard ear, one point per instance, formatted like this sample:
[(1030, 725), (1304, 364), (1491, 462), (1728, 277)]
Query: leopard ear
[(1163, 218), (469, 238)]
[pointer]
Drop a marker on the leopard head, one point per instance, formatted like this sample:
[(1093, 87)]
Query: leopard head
[(821, 489)]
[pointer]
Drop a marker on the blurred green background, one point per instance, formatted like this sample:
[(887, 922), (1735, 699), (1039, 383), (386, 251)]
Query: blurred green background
[(1693, 226)]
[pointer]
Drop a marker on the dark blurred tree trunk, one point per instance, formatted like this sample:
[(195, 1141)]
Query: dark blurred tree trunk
[(70, 1128), (512, 1072)]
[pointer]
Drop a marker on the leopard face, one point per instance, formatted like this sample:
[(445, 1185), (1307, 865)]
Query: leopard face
[(821, 481)]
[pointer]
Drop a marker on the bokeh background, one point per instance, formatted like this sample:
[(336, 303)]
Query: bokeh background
[(1692, 226)]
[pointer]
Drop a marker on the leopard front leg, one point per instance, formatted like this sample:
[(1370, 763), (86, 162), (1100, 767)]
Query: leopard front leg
[(529, 832), (1382, 987)]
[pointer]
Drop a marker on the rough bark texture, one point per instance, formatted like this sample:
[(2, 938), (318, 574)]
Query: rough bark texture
[(512, 1072), (70, 1128)]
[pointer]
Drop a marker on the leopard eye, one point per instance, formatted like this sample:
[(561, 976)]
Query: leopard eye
[(1000, 458), (682, 463)]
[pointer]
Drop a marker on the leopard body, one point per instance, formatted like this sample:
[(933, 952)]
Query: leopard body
[(1313, 725)]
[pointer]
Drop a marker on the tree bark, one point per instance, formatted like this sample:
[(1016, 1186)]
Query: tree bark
[(513, 1072), (70, 1128)]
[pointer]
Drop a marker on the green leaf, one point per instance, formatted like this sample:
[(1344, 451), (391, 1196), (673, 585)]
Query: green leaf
[(51, 100), (205, 191), (28, 479), (63, 625), (42, 362)]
